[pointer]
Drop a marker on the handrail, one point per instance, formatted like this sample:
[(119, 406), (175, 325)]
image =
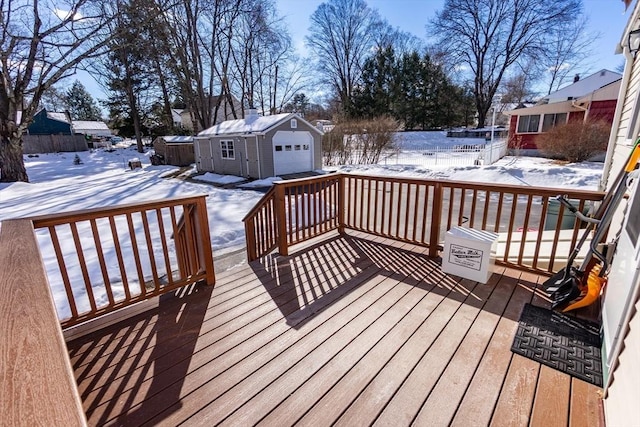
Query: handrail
[(260, 228), (125, 254), (420, 211), (293, 211), (37, 384)]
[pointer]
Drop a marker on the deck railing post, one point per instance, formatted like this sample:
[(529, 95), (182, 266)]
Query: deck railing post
[(204, 239), (436, 220), (341, 203), (250, 238), (281, 219)]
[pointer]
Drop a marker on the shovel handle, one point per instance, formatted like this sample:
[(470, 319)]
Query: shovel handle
[(634, 158), (582, 217)]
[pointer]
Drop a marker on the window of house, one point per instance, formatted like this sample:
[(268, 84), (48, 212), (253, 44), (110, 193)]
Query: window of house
[(305, 147), (294, 123), (287, 148), (528, 123), (278, 147), (297, 147), (228, 152), (551, 120)]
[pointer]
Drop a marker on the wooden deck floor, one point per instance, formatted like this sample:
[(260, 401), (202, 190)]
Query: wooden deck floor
[(352, 331)]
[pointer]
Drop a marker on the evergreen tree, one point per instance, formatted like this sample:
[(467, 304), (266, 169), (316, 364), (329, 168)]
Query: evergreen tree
[(81, 104), (299, 104), (130, 70), (374, 96)]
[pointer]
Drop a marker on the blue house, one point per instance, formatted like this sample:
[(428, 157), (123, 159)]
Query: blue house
[(50, 123)]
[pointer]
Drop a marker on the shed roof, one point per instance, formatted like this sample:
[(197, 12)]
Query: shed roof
[(61, 117), (177, 139), (252, 124), (89, 125)]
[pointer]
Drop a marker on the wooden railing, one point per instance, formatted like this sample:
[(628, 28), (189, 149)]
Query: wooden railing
[(124, 254), (292, 212), (37, 385), (420, 212)]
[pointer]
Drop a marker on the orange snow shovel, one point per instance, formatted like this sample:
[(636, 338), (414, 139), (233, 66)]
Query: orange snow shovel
[(572, 287)]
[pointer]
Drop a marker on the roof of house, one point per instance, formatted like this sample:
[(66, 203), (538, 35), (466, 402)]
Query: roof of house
[(61, 117), (583, 86), (253, 123), (553, 107), (605, 93), (89, 125)]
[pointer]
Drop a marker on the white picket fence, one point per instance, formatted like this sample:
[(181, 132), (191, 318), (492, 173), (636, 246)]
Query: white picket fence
[(458, 155)]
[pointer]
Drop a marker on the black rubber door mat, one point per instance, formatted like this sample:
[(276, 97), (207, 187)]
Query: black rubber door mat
[(562, 342)]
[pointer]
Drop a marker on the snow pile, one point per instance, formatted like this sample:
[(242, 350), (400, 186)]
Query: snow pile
[(214, 178)]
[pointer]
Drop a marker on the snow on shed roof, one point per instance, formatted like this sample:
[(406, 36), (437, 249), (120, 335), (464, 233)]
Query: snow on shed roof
[(250, 124), (177, 139), (61, 117), (88, 125)]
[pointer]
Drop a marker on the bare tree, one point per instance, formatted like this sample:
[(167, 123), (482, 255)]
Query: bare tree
[(569, 48), (40, 44), (517, 88), (489, 37), (341, 36)]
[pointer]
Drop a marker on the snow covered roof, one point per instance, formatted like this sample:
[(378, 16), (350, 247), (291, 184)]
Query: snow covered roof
[(61, 117), (583, 86), (177, 139), (606, 93), (253, 123), (250, 124), (81, 126)]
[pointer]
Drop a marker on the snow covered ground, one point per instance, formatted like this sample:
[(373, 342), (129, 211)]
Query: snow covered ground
[(103, 178)]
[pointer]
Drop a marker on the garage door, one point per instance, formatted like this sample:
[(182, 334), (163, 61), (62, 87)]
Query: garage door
[(292, 152)]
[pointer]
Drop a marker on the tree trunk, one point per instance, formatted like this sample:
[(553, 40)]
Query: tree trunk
[(11, 162)]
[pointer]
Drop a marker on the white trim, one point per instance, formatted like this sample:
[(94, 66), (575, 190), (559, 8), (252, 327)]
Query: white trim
[(259, 161), (228, 147)]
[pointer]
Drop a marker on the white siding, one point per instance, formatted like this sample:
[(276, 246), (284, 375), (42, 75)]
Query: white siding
[(629, 102), (621, 403)]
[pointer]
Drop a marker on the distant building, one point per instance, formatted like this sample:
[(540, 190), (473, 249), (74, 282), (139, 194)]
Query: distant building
[(91, 129), (260, 147), (50, 123), (593, 98), (174, 150), (225, 112)]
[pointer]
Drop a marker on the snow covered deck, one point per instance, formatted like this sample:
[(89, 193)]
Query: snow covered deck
[(354, 330)]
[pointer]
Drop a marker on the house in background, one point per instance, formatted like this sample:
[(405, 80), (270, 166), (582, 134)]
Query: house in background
[(260, 146), (176, 117), (50, 123), (225, 111), (174, 150), (593, 98), (52, 132)]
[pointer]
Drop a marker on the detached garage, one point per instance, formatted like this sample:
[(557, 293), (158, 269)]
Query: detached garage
[(260, 147)]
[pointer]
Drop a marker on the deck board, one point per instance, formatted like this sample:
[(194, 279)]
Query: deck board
[(354, 330)]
